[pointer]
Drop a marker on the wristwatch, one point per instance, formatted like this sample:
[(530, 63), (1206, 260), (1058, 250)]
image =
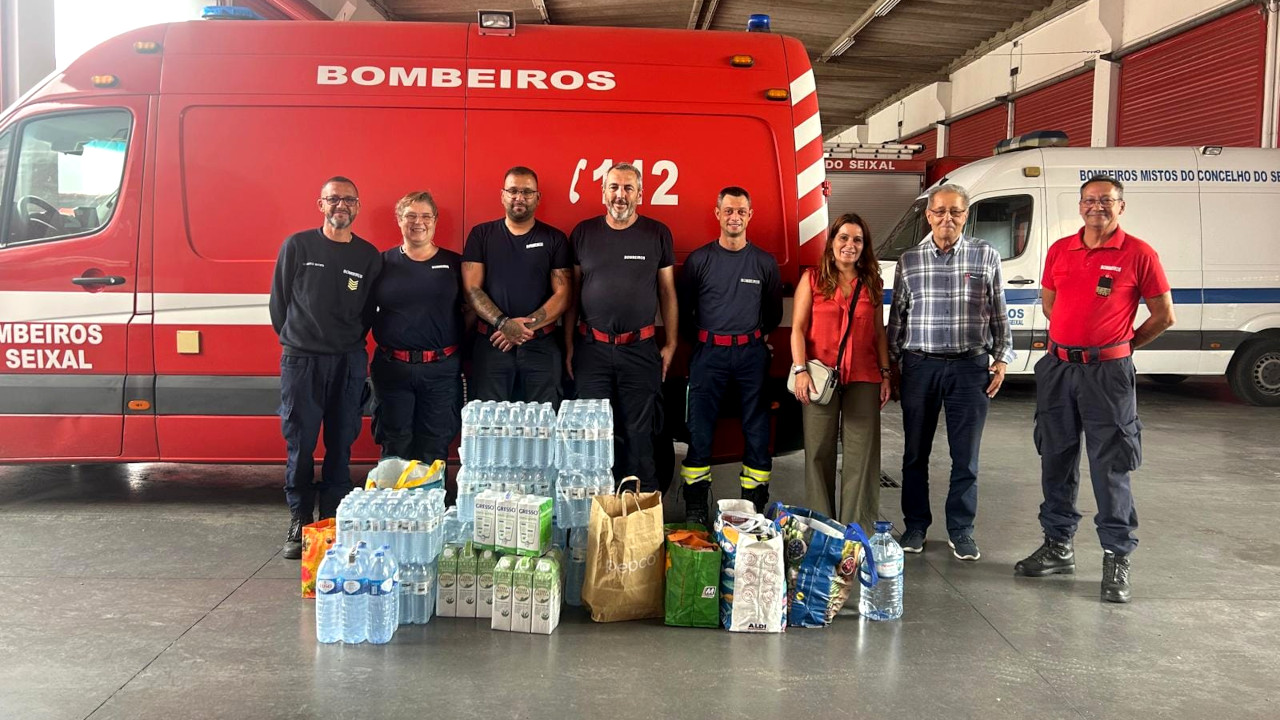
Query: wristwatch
[(797, 369)]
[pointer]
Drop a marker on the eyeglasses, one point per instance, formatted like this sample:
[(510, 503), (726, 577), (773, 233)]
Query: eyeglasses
[(513, 192), (955, 213), (1105, 202), (414, 217), (335, 201)]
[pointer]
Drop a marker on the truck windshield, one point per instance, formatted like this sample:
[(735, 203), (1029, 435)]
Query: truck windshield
[(909, 231)]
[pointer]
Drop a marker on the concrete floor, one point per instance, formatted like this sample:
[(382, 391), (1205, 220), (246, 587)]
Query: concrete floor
[(158, 592)]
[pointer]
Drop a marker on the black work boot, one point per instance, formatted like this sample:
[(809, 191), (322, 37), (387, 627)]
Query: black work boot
[(1052, 558), (696, 506), (293, 543), (758, 495), (1115, 577)]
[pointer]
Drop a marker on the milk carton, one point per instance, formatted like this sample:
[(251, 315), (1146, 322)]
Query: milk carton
[(486, 561), (522, 595), (533, 531), (546, 596), (485, 527), (507, 521), (502, 578), (467, 581), (447, 582)]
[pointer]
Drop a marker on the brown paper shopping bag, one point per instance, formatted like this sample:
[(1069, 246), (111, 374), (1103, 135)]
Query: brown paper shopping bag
[(626, 569)]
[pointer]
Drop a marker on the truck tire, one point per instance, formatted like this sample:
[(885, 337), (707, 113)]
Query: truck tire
[(1254, 373)]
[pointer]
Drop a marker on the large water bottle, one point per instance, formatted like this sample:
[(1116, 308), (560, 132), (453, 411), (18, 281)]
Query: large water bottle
[(329, 598), (501, 435), (485, 449), (883, 601), (577, 566), (543, 456), (467, 449), (355, 595), (435, 527), (383, 605), (606, 434), (345, 517), (404, 590)]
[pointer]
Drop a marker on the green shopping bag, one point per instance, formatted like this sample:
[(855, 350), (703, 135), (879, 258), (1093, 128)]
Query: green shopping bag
[(693, 577)]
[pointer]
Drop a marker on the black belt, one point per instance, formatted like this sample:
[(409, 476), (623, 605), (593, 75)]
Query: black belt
[(950, 356)]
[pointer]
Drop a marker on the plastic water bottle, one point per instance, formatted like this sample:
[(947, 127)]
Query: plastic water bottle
[(606, 435), (467, 450), (383, 604), (329, 598), (355, 595), (884, 600), (577, 566), (485, 434)]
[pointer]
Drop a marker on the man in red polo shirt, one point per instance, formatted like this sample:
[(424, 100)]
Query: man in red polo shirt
[(1092, 283)]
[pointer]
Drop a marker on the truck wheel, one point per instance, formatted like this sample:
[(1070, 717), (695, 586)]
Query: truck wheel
[(1254, 373), (1167, 379)]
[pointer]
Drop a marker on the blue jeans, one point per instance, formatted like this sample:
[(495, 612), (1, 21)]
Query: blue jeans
[(958, 387)]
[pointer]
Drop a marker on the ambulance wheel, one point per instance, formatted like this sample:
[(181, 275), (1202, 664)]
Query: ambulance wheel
[(1254, 373), (1167, 379)]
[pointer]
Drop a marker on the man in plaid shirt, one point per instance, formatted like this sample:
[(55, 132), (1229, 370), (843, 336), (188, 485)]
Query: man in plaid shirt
[(949, 343)]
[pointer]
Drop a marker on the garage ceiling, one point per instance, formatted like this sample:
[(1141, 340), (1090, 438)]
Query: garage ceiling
[(916, 43)]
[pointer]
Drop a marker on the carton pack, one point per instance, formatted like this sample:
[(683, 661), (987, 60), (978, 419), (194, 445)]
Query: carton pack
[(447, 582), (467, 581), (486, 561), (546, 596), (522, 595), (507, 519), (502, 579), (533, 530), (486, 519)]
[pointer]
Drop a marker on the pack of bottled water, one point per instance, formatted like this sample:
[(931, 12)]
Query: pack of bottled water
[(357, 595), (584, 435), (507, 435), (573, 492)]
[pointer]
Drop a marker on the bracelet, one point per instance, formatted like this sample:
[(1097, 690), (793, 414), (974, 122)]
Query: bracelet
[(885, 372), (798, 371), (502, 321)]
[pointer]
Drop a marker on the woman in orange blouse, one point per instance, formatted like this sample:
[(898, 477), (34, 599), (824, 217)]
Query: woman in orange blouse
[(820, 319)]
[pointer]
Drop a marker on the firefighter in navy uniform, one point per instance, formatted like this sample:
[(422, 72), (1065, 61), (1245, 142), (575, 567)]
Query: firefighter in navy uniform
[(624, 270), (322, 307), (516, 271), (731, 292)]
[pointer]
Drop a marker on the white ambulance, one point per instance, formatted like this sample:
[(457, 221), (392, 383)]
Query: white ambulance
[(1213, 214)]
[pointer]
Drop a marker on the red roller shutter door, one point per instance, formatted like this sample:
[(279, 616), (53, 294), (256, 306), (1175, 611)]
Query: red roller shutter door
[(1066, 105), (1202, 87), (977, 135), (929, 139)]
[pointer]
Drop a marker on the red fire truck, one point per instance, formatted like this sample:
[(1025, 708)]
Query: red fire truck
[(147, 188)]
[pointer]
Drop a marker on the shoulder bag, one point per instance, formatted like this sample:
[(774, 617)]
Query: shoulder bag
[(825, 378)]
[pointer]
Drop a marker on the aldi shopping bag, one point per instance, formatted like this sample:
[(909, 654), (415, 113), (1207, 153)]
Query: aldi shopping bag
[(393, 474), (822, 558), (317, 538), (693, 576), (625, 567), (753, 583)]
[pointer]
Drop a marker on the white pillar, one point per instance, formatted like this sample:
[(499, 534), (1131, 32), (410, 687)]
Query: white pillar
[(1106, 94), (944, 140), (1271, 76)]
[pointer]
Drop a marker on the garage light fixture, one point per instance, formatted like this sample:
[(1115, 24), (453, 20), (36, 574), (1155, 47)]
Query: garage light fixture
[(496, 22), (886, 6)]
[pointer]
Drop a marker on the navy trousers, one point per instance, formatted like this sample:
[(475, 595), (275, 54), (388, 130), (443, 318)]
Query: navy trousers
[(320, 391), (419, 407), (714, 368), (1098, 401), (958, 388), (528, 372), (630, 377)]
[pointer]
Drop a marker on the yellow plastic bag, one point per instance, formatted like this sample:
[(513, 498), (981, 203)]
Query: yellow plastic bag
[(395, 474)]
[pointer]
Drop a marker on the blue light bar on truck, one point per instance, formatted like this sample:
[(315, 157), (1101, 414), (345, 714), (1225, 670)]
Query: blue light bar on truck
[(218, 12), (758, 23)]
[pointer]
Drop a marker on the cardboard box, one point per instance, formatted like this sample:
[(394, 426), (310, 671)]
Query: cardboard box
[(546, 596), (522, 595), (447, 582), (467, 581), (502, 578), (533, 531), (485, 519), (507, 520), (486, 561)]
